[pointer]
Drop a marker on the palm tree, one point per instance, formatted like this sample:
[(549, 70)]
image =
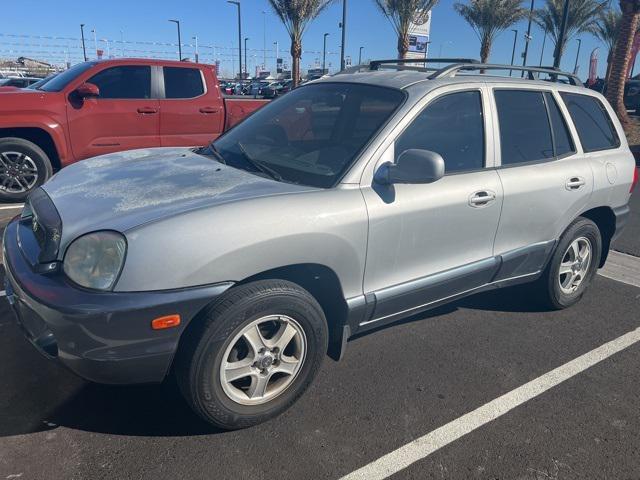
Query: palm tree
[(606, 30), (583, 15), (490, 17), (621, 57), (401, 14), (296, 15)]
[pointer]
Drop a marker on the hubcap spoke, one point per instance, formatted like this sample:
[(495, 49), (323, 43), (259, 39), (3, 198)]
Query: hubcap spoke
[(255, 368), (565, 268)]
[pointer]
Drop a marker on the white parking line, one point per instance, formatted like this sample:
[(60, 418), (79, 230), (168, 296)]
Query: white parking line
[(11, 207), (3, 293), (622, 267), (424, 446)]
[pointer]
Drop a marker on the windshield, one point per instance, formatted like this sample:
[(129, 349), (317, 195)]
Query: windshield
[(62, 79), (312, 135)]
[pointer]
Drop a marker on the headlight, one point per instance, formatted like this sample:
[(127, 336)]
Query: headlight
[(95, 260)]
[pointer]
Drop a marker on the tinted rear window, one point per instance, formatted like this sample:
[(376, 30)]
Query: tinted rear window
[(525, 133), (595, 128), (561, 136), (182, 82)]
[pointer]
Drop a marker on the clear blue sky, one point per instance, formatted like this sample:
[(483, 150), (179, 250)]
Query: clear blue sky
[(214, 22)]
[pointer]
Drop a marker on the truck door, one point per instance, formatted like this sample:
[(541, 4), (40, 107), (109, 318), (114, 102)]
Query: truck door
[(191, 109), (122, 117)]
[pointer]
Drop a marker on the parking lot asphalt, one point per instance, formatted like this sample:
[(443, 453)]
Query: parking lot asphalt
[(394, 386)]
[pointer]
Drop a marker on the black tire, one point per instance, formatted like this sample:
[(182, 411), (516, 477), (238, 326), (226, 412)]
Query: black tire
[(200, 355), (39, 158), (549, 283)]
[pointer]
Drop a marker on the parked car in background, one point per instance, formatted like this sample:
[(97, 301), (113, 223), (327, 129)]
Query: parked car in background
[(99, 107), (276, 88), (42, 81), (346, 205), (631, 92), (18, 82)]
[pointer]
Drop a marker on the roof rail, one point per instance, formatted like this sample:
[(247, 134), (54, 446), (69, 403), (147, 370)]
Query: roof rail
[(375, 64), (451, 70)]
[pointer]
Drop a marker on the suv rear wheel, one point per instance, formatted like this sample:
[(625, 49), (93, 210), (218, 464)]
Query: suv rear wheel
[(253, 354), (24, 166), (573, 265)]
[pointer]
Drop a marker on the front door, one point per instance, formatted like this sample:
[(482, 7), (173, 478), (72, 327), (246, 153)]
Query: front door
[(122, 117), (432, 241)]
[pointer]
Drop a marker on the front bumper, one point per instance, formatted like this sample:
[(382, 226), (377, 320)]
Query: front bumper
[(105, 337)]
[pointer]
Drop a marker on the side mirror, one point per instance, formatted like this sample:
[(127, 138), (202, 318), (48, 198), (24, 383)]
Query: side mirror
[(88, 90), (412, 166)]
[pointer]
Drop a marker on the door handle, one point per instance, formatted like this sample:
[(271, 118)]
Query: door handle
[(208, 110), (575, 183), (147, 110), (481, 198)]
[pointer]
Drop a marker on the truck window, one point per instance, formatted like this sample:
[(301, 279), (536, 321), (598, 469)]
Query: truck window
[(452, 126), (128, 81), (182, 82), (63, 79), (592, 121), (525, 131)]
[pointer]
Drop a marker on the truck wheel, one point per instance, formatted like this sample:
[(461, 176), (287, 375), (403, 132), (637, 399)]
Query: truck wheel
[(573, 264), (252, 354), (23, 167)]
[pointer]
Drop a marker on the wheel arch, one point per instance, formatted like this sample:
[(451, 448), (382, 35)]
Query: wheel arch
[(39, 136), (605, 220), (320, 281)]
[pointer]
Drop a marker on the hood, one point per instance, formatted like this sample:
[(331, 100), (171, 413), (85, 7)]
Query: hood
[(123, 190)]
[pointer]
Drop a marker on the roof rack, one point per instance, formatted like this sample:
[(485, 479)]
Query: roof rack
[(554, 73), (375, 64)]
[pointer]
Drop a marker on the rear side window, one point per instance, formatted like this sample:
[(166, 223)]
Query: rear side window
[(525, 133), (595, 128), (561, 136), (130, 81), (452, 126), (182, 82)]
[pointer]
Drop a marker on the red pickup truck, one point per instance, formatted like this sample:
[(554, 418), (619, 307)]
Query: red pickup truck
[(105, 106)]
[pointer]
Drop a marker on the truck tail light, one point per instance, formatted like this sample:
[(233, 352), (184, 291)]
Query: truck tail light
[(634, 182)]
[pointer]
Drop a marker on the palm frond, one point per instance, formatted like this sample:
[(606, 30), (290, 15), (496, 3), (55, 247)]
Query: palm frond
[(583, 17)]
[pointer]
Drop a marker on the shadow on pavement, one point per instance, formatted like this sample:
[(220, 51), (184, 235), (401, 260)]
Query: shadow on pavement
[(38, 394)]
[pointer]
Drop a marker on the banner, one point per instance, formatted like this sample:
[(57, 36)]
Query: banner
[(593, 66), (419, 38)]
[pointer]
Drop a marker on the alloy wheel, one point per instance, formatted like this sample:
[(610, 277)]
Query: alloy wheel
[(18, 172), (575, 265)]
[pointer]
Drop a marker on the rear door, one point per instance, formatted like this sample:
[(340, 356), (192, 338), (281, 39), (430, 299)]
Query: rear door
[(191, 109), (123, 117), (547, 181)]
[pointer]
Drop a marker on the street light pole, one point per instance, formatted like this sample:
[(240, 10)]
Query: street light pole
[(575, 68), (563, 29), (237, 4), (324, 54), (343, 25), (122, 42), (527, 37), (196, 52), (264, 39), (277, 53), (360, 56), (84, 49), (513, 52), (544, 41), (245, 56), (177, 22)]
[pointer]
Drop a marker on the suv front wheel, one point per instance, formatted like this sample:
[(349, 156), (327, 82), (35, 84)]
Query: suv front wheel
[(252, 354), (573, 265), (24, 166)]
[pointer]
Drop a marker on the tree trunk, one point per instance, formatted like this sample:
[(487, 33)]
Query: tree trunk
[(403, 45), (608, 74), (485, 50), (296, 54), (622, 57)]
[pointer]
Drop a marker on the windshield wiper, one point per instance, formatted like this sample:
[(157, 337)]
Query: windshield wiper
[(257, 164), (211, 150)]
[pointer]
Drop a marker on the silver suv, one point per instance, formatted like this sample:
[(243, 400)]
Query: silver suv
[(347, 204)]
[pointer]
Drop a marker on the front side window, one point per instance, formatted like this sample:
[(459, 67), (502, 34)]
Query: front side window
[(63, 79), (452, 126), (180, 82), (130, 81), (525, 132), (595, 128), (310, 136)]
